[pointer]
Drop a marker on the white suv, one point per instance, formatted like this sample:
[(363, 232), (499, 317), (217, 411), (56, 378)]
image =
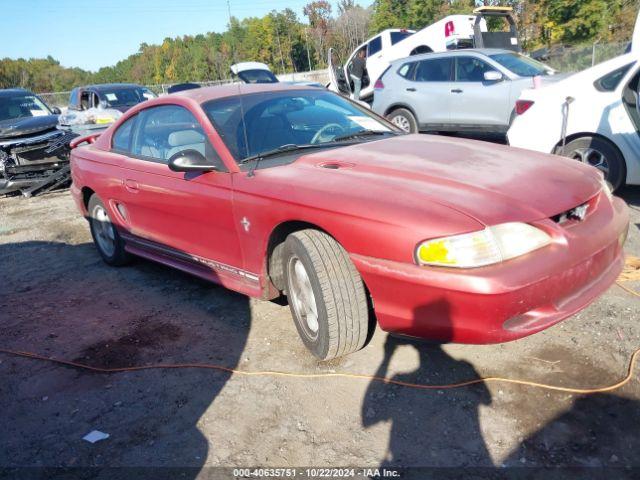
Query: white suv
[(473, 90)]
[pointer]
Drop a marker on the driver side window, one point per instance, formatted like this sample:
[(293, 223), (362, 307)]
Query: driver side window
[(167, 130), (470, 69)]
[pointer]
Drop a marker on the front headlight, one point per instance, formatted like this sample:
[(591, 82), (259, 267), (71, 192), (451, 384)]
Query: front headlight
[(485, 247)]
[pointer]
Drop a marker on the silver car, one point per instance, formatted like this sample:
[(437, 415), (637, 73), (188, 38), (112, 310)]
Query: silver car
[(471, 90)]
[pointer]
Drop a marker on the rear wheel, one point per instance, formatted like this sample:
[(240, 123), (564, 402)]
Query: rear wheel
[(108, 242), (599, 153), (403, 119), (326, 295)]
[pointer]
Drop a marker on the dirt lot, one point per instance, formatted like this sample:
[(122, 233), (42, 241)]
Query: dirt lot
[(57, 298)]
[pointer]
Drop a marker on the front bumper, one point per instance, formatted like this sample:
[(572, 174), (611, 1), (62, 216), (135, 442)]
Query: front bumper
[(507, 301)]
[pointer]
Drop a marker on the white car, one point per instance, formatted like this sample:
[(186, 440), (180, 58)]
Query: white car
[(451, 33), (592, 116), (257, 72)]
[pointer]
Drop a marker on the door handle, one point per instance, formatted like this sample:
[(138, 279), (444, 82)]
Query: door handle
[(131, 186), (411, 89), (456, 90)]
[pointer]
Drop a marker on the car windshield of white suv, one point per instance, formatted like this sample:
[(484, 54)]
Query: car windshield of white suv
[(20, 106), (521, 65), (268, 123)]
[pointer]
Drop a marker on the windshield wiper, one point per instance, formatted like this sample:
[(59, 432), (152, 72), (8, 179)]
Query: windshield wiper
[(362, 133), (290, 147)]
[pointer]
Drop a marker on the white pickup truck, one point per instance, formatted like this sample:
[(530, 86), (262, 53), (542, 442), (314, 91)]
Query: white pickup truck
[(450, 33)]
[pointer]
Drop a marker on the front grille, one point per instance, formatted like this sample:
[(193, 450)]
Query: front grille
[(578, 214)]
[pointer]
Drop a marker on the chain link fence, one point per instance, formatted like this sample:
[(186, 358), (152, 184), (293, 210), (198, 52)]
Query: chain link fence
[(56, 99), (575, 59)]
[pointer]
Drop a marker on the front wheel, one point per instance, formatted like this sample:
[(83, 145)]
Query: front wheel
[(403, 119), (326, 295), (599, 153)]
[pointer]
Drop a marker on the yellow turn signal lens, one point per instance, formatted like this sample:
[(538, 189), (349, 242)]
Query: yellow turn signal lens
[(485, 247)]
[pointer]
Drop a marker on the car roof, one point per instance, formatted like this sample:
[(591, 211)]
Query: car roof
[(464, 51), (205, 94), (7, 92)]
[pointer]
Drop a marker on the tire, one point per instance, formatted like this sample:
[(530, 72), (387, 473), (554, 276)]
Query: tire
[(341, 317), (404, 119), (592, 150), (108, 242)]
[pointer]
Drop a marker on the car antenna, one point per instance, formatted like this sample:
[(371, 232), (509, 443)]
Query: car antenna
[(244, 123)]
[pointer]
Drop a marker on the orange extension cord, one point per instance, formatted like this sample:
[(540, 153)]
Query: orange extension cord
[(577, 391)]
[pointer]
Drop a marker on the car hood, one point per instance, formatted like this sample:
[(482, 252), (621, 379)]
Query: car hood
[(19, 127), (491, 183)]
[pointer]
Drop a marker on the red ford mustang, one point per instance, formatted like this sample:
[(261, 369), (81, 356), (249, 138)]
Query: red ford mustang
[(271, 190)]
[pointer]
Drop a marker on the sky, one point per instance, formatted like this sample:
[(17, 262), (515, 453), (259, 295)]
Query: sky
[(95, 33)]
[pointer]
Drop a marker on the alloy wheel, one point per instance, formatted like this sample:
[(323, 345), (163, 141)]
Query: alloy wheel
[(592, 157), (104, 232), (302, 297), (401, 122)]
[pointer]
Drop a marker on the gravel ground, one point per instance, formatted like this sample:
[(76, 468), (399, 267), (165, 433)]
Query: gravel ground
[(57, 298)]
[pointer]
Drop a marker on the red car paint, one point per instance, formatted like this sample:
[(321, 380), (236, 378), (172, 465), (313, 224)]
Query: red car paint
[(385, 197)]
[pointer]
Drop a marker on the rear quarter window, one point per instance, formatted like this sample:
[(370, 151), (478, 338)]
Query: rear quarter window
[(406, 70), (610, 81), (121, 141)]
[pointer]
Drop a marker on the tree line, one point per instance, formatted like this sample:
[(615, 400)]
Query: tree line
[(288, 44)]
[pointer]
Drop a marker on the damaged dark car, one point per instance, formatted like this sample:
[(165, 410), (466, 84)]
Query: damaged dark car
[(33, 151)]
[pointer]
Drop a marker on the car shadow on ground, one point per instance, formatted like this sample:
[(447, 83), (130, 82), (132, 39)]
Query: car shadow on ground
[(440, 430), (598, 434), (434, 428), (78, 308)]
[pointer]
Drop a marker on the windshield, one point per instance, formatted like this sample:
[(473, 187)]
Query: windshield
[(20, 106), (126, 96), (293, 117), (521, 65), (257, 76)]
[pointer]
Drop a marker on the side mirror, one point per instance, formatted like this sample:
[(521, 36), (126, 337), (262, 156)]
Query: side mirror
[(190, 161), (493, 76), (56, 111)]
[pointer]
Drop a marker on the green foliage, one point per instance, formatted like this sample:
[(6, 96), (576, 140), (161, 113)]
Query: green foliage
[(41, 74), (388, 14), (421, 13), (575, 21)]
